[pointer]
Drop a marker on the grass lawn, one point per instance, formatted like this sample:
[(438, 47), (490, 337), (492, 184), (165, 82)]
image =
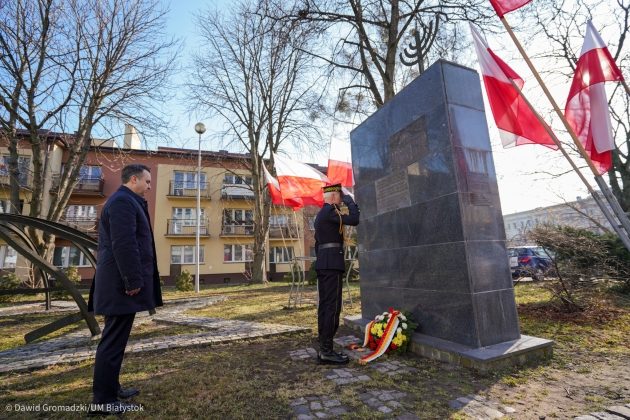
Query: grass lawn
[(590, 368)]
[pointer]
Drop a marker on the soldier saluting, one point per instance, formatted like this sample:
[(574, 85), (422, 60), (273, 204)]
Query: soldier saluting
[(330, 266)]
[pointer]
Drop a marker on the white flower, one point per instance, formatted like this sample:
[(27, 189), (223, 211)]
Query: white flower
[(385, 313), (404, 325), (399, 330), (404, 318), (380, 318)]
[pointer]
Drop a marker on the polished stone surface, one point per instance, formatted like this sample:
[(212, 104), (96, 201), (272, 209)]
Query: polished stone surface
[(431, 236)]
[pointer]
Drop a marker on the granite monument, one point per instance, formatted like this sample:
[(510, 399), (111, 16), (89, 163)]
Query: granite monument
[(431, 238)]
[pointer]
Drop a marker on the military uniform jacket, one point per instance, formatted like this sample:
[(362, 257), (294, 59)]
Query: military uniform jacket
[(126, 257), (327, 231)]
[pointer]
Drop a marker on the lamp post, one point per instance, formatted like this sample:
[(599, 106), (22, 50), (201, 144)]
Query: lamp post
[(200, 128)]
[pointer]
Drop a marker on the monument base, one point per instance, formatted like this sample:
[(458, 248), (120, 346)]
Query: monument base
[(525, 350)]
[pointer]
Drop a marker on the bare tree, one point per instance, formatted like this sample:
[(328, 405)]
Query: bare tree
[(563, 25), (253, 76), (76, 66), (371, 37)]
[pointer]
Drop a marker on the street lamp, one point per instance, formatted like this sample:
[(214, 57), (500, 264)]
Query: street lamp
[(200, 128)]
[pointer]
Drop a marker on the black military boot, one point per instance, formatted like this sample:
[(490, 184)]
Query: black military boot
[(342, 355), (327, 356)]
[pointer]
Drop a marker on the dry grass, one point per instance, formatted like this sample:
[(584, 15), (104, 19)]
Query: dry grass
[(257, 379)]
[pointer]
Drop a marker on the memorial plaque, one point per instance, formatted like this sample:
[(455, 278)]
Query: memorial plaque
[(392, 192), (407, 146)]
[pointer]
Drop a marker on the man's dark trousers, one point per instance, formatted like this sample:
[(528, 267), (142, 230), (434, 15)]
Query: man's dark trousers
[(109, 357), (329, 310)]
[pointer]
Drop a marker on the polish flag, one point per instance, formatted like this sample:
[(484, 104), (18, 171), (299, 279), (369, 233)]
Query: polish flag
[(516, 121), (587, 107), (299, 180), (276, 197), (506, 6), (340, 163)]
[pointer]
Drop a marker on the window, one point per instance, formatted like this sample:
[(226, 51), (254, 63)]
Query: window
[(89, 173), (311, 222), (185, 254), (5, 206), (238, 217), (66, 256), (188, 215), (237, 179), (279, 254), (237, 253), (279, 220), (188, 180), (24, 164), (81, 212), (8, 257)]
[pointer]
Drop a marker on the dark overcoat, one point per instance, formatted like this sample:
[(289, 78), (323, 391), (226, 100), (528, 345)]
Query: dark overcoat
[(126, 257), (327, 231)]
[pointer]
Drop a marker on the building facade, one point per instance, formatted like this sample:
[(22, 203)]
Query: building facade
[(226, 230), (581, 213)]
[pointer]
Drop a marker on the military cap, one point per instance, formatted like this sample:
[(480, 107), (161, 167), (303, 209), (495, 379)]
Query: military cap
[(332, 188)]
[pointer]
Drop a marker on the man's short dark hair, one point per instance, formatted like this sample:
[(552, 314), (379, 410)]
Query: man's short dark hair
[(134, 169)]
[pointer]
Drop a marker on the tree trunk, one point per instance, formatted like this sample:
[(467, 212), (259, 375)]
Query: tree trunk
[(261, 221)]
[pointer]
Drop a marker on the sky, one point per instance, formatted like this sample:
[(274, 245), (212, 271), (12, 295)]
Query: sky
[(522, 172)]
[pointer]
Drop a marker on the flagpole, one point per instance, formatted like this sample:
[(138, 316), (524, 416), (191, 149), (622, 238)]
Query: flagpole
[(623, 218), (598, 200)]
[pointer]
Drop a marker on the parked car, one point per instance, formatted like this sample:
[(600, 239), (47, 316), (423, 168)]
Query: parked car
[(529, 261)]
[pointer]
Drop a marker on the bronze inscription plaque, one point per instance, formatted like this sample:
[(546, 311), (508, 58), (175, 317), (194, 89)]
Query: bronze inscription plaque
[(392, 192)]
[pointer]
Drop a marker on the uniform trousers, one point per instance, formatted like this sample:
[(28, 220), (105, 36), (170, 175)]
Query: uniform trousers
[(329, 309), (109, 357)]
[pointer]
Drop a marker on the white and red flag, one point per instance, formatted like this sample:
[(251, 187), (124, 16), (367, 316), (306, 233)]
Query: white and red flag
[(299, 180), (506, 6), (515, 119), (276, 197), (587, 107), (340, 163)]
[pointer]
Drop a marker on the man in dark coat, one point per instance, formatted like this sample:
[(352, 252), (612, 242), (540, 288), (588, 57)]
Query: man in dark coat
[(330, 266), (126, 281)]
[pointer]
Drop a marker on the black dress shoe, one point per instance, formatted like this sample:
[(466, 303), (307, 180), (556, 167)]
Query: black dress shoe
[(331, 358), (115, 408), (124, 393)]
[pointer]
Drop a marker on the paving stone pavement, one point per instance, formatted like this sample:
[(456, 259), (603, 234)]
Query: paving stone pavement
[(302, 354), (479, 407), (345, 376), (391, 368), (39, 307), (318, 407), (617, 412), (386, 402), (80, 346)]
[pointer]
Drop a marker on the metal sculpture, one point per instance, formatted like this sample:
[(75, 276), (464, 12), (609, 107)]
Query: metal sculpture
[(417, 50), (12, 232)]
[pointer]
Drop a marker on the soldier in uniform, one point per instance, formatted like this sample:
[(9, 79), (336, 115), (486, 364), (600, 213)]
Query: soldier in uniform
[(330, 265)]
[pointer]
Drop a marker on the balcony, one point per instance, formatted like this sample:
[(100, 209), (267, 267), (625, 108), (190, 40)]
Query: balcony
[(90, 186), (237, 230), (186, 228), (187, 190), (286, 231), (236, 192), (25, 178), (87, 225)]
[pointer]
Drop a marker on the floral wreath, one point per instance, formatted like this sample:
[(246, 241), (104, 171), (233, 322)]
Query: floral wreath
[(389, 332)]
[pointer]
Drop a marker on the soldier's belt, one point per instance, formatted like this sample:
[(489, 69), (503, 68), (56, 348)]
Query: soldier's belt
[(330, 245)]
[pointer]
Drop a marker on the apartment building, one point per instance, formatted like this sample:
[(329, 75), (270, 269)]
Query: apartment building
[(582, 213), (226, 231)]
